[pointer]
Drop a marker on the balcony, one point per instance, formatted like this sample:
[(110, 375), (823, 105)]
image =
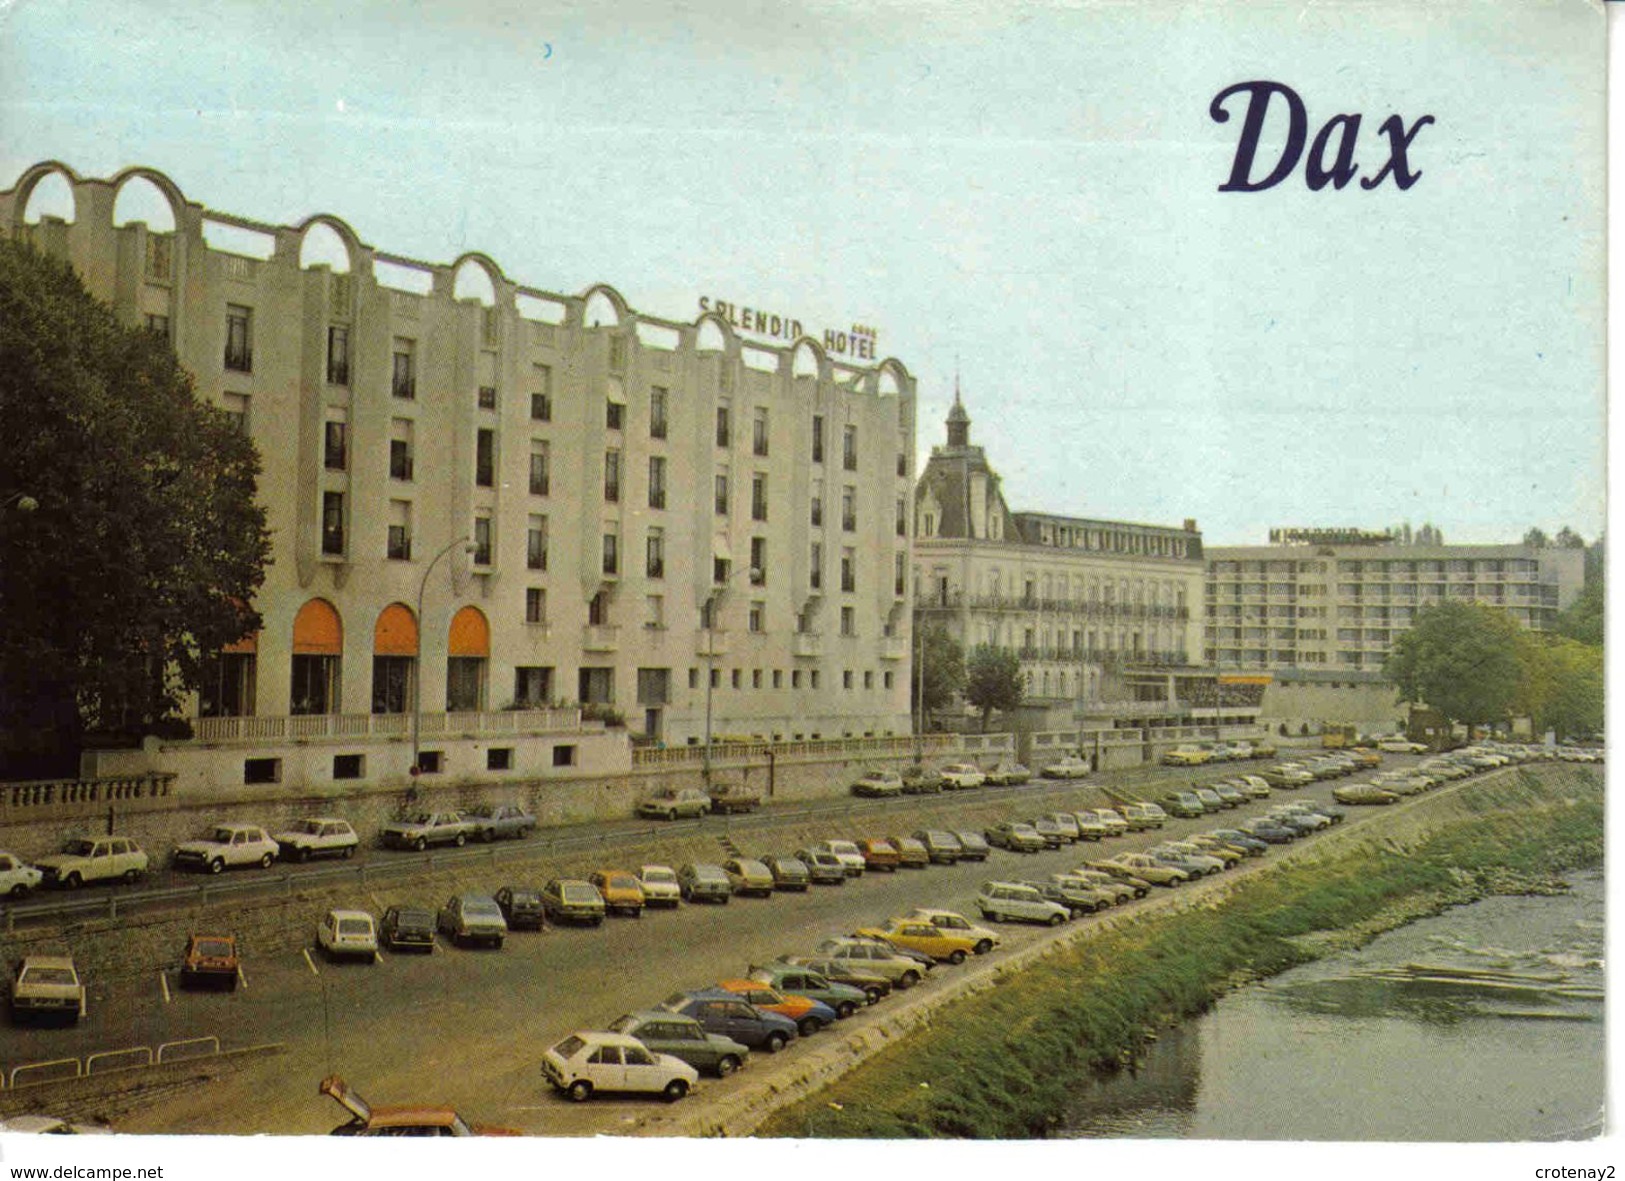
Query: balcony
[(600, 637), (807, 644), (348, 727), (711, 642), (893, 648)]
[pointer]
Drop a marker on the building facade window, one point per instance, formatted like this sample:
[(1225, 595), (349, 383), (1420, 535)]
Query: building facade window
[(723, 432), (226, 686), (333, 523), (612, 553), (533, 686), (612, 476), (817, 511), (465, 684), (614, 415), (657, 481), (815, 568), (540, 469), (541, 394), (485, 458), (654, 554), (657, 412), (758, 438), (849, 448), (849, 510), (536, 544), (482, 541), (486, 399), (400, 459), (403, 382), (849, 621), (758, 561), (721, 495), (393, 678), (849, 575), (818, 438), (239, 338), (758, 497), (338, 355), (535, 604), (333, 450)]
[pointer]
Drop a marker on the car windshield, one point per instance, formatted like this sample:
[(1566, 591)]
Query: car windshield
[(36, 975), (483, 907), (659, 875), (581, 893), (414, 918), (626, 1024), (569, 1047), (524, 898), (220, 836), (213, 947), (623, 881), (422, 818)]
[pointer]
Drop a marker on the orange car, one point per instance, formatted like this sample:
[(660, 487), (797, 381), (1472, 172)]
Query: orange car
[(879, 853), (368, 1120), (621, 890), (809, 1015)]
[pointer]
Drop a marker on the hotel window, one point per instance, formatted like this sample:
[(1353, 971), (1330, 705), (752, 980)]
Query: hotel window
[(758, 561), (849, 509), (849, 621), (657, 481), (758, 439), (159, 257), (237, 411), (902, 467), (654, 554), (535, 604), (899, 572), (614, 415), (404, 378), (722, 426), (849, 577), (612, 476), (400, 530), (239, 338), (541, 397), (486, 399), (869, 679), (657, 412), (778, 678), (485, 446), (333, 523), (333, 450), (655, 605), (488, 327), (758, 497), (815, 572), (758, 612), (533, 683), (400, 450), (598, 610), (482, 541), (846, 675), (158, 323), (849, 448), (902, 516), (612, 553), (540, 468), (817, 510), (338, 356), (536, 544), (721, 495), (818, 439)]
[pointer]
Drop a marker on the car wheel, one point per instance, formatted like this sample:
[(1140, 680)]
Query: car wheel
[(597, 920), (265, 861), (1055, 920), (218, 865), (808, 1026), (909, 980), (956, 957), (675, 1090), (776, 1041), (349, 852), (131, 876), (19, 890), (460, 840), (302, 855), (579, 1091), (420, 844), (846, 1009), (685, 894), (984, 946)]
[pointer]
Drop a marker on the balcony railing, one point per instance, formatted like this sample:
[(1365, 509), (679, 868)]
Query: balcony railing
[(349, 726), (1095, 610)]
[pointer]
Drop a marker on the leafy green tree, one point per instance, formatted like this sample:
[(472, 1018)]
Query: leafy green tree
[(942, 669), (1561, 685), (1462, 659), (1568, 539), (1536, 538), (143, 545), (1582, 620), (993, 680)]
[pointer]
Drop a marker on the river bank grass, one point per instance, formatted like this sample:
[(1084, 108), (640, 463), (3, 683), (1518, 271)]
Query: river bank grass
[(1000, 1064)]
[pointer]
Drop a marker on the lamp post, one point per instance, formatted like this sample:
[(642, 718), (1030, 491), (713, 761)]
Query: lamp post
[(417, 678), (710, 661)]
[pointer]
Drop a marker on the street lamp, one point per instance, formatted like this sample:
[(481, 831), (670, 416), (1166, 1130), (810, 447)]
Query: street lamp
[(417, 695), (710, 660)]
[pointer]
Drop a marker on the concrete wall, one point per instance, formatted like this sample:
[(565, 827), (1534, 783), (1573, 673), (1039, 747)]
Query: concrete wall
[(1296, 704)]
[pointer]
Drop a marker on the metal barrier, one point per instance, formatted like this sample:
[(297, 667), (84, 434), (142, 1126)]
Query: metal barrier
[(109, 1055), (211, 1041), (11, 1079)]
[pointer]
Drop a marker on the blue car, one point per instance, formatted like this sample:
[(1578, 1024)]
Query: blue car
[(730, 1015)]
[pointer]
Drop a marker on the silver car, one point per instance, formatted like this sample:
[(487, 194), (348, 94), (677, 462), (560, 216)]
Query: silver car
[(473, 918)]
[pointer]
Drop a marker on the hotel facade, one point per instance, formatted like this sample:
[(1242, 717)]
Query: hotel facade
[(499, 504)]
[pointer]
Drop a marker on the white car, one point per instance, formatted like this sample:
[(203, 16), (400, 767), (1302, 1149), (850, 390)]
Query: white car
[(1401, 746), (957, 775), (660, 886), (94, 859), (1005, 901), (1067, 767), (951, 920), (588, 1062), (17, 877), (228, 846), (348, 933), (847, 853), (318, 836), (47, 986), (1115, 824)]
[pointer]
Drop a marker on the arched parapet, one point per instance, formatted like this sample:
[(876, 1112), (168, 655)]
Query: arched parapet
[(604, 307), (325, 239), (892, 378), (475, 275), (66, 181), (808, 359), (713, 334), (136, 191)]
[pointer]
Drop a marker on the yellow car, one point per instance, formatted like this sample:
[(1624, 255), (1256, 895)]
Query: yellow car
[(924, 936), (1214, 847), (1185, 756), (621, 890)]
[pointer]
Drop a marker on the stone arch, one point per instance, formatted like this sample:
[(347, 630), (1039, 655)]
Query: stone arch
[(318, 630), (892, 377), (807, 359), (327, 239), (145, 196), (396, 632), (475, 276), (603, 307), (47, 189), (712, 334), (470, 634)]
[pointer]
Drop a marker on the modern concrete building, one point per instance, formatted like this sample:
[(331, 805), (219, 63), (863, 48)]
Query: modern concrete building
[(1105, 615), (498, 499)]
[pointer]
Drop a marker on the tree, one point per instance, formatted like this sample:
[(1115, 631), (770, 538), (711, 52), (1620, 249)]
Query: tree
[(144, 546), (1568, 539), (1536, 538), (1561, 688), (942, 669), (993, 680), (1582, 620), (1462, 659)]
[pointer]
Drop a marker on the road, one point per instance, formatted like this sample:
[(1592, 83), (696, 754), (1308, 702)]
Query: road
[(467, 1027)]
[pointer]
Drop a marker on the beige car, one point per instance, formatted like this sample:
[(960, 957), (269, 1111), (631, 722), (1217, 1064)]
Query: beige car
[(47, 986)]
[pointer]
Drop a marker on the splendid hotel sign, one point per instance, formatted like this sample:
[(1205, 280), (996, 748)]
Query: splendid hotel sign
[(857, 342)]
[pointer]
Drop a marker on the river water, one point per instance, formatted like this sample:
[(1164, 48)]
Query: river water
[(1481, 1023)]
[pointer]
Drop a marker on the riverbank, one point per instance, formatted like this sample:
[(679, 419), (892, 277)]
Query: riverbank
[(1003, 1063)]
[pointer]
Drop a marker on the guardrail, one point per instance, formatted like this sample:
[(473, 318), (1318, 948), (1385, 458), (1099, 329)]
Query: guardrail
[(144, 1057)]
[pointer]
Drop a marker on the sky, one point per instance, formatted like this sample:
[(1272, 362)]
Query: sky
[(1023, 196)]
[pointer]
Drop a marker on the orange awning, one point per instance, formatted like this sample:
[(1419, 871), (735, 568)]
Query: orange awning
[(470, 634), (317, 630), (396, 632)]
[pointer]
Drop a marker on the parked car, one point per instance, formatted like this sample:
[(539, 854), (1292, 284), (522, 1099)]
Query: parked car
[(621, 891), (911, 853), (1186, 756), (416, 1120), (1116, 823), (660, 887), (847, 853), (588, 1062), (729, 797), (843, 999), (973, 845), (1183, 804), (1067, 767), (1233, 797), (1139, 865), (746, 876), (920, 780), (1256, 846), (1145, 816), (957, 776), (211, 959), (93, 859), (1268, 831), (1187, 857), (1254, 786), (940, 845), (1209, 799), (500, 821), (1077, 897), (1118, 891), (1054, 836), (227, 846), (473, 918), (878, 854), (571, 900), (878, 782), (703, 882), (809, 1015), (522, 908), (673, 803), (1006, 901), (408, 928), (1066, 822), (874, 987), (318, 836), (1402, 746), (347, 933), (983, 939), (732, 1016), (17, 877), (1008, 774), (921, 934), (425, 829), (684, 1038), (789, 873), (1213, 847), (1090, 826), (1016, 836), (873, 958), (823, 867), (47, 986), (1286, 775)]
